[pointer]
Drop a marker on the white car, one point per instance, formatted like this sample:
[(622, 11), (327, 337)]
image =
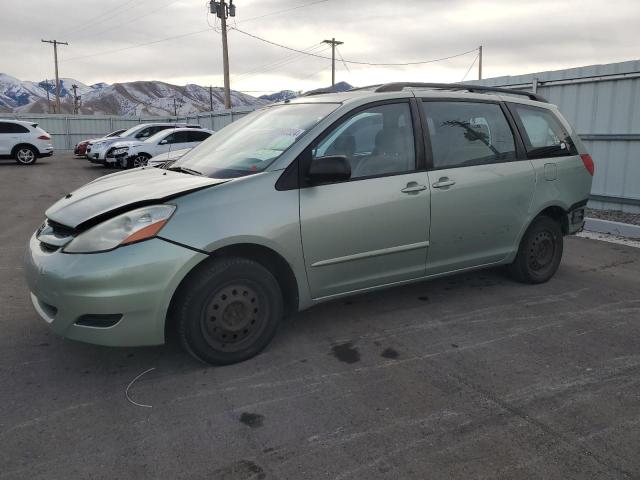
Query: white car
[(103, 147), (167, 158), (24, 141), (131, 154)]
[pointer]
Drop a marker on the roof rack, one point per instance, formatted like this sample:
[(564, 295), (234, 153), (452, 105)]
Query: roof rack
[(398, 86)]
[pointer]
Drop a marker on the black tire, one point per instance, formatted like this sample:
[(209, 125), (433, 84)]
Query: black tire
[(140, 160), (228, 310), (540, 252), (25, 155)]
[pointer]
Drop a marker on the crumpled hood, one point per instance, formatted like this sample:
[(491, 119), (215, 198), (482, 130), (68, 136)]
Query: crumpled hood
[(126, 143), (122, 191)]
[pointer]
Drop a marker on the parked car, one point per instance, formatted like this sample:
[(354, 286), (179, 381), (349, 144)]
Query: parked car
[(24, 141), (140, 132), (166, 159), (132, 153), (307, 201), (80, 148)]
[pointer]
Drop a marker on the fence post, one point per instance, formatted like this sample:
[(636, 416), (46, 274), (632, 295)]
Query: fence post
[(68, 132)]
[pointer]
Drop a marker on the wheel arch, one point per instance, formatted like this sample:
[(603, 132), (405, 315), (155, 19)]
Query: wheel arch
[(24, 144), (265, 256), (557, 213)]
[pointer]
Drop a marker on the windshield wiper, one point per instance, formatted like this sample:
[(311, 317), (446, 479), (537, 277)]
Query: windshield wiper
[(185, 170)]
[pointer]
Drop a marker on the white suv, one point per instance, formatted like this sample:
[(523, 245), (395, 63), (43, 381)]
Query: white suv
[(102, 148), (24, 141), (132, 153)]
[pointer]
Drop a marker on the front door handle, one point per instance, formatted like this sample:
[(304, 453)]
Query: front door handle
[(413, 187), (443, 183)]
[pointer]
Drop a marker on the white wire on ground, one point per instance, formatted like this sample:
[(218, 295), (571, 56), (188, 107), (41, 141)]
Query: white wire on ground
[(126, 392)]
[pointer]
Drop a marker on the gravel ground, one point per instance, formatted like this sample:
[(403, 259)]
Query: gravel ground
[(614, 216), (466, 377)]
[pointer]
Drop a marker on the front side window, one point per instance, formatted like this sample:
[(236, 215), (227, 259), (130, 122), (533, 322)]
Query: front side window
[(198, 136), (543, 133), (145, 133), (177, 137), (468, 133), (375, 141), (254, 142)]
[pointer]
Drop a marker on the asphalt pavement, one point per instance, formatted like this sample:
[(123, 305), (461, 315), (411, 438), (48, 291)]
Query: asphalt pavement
[(470, 376)]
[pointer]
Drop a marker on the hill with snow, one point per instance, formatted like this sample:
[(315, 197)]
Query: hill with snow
[(129, 98)]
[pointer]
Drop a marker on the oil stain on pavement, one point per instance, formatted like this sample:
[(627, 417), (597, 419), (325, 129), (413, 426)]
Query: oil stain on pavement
[(346, 352)]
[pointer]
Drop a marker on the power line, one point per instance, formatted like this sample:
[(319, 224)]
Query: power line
[(131, 20), (355, 62), (282, 11), (470, 67), (105, 52), (107, 15), (292, 57)]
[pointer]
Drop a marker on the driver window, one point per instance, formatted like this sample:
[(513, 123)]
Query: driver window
[(375, 141), (145, 133)]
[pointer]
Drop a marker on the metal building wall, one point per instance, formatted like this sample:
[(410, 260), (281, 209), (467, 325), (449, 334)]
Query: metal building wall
[(67, 130), (602, 102)]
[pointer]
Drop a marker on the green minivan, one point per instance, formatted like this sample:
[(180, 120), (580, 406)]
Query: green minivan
[(306, 201)]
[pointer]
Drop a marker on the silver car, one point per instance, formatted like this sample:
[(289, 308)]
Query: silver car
[(306, 201)]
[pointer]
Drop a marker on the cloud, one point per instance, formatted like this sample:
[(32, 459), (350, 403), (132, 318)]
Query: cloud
[(518, 37)]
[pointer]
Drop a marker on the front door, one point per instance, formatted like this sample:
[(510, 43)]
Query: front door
[(7, 137), (372, 229), (481, 187)]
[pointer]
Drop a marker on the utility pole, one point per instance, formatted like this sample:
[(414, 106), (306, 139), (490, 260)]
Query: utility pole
[(334, 43), (224, 11), (55, 58), (76, 99), (46, 82), (480, 62), (211, 98), (175, 108)]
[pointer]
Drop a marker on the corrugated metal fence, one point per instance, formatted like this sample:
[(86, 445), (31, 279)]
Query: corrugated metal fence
[(67, 130), (603, 104)]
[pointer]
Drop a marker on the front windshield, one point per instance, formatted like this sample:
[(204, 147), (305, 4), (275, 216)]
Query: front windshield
[(254, 142)]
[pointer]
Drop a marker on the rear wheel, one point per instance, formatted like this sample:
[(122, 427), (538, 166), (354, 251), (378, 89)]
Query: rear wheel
[(26, 155), (228, 310), (539, 253)]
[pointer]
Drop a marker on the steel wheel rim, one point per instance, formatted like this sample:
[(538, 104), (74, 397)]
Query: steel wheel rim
[(140, 161), (25, 155), (233, 317), (542, 251)]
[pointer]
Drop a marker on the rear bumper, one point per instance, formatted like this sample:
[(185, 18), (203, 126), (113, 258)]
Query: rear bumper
[(576, 217), (116, 298)]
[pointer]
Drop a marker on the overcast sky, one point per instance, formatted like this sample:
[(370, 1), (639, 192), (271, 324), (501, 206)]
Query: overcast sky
[(518, 37)]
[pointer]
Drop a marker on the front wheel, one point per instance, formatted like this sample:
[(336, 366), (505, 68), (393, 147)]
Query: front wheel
[(228, 310), (539, 253), (26, 155)]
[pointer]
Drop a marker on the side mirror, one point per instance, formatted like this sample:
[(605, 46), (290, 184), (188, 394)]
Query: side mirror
[(335, 168), (163, 142)]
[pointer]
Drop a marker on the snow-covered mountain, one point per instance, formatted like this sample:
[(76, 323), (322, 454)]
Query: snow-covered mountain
[(130, 98), (288, 94)]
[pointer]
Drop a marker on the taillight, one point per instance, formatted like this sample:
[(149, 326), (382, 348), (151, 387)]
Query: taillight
[(44, 137), (588, 163)]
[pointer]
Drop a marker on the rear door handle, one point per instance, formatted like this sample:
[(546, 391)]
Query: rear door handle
[(413, 187), (443, 182)]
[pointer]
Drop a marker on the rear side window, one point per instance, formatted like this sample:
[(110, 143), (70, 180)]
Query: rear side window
[(8, 127), (468, 133), (542, 132)]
